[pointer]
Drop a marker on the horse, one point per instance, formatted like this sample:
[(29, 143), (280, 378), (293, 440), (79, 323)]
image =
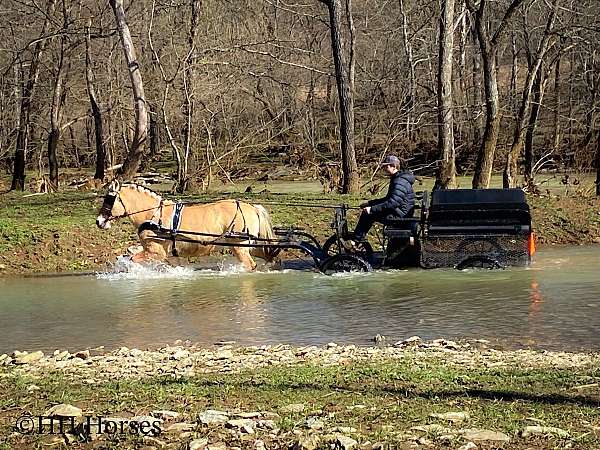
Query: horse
[(220, 220)]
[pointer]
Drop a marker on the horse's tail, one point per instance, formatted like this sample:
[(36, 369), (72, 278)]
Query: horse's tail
[(265, 231)]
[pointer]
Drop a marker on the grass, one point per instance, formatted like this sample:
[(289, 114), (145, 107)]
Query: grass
[(396, 396)]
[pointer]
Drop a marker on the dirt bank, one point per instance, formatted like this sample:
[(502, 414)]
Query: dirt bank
[(56, 232)]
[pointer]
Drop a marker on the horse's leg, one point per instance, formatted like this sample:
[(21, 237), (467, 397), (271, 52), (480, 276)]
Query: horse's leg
[(243, 255), (153, 251)]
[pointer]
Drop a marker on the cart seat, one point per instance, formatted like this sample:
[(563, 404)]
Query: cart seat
[(402, 228)]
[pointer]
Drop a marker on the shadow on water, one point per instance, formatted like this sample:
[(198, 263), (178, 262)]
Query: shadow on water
[(554, 305)]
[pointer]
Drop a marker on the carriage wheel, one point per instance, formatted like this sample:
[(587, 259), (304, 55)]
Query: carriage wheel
[(344, 262), (330, 248), (479, 262)]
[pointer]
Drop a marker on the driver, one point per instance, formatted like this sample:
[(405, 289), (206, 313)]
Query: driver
[(398, 203)]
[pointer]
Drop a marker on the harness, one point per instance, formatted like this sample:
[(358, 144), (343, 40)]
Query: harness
[(157, 227)]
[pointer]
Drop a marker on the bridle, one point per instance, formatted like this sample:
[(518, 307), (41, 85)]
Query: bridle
[(109, 202)]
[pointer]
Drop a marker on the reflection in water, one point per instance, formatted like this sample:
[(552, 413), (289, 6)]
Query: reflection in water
[(552, 304)]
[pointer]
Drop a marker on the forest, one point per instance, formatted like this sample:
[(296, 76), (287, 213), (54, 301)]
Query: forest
[(325, 88)]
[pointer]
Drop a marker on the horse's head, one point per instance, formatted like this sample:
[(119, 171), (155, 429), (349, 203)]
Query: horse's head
[(111, 208)]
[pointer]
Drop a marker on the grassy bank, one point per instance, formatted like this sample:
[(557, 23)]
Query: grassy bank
[(56, 232), (435, 395)]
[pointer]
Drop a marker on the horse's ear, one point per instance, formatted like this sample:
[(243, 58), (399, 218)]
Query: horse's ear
[(114, 187)]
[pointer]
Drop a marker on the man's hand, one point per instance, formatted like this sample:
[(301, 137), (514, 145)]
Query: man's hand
[(367, 209)]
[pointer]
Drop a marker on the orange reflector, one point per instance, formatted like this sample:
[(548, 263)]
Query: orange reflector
[(531, 244)]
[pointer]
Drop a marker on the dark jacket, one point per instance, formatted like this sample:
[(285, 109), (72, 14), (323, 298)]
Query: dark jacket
[(400, 198)]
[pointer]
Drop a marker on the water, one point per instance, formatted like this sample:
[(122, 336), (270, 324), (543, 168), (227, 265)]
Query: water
[(555, 304)]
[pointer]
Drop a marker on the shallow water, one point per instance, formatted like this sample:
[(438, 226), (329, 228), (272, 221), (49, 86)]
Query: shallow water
[(554, 304)]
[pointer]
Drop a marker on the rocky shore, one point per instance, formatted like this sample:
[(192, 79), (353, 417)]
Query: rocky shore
[(188, 360), (413, 394)]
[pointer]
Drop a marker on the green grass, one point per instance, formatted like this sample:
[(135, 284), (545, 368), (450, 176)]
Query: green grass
[(397, 396)]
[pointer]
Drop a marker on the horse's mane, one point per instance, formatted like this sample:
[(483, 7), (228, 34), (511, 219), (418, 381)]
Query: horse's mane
[(140, 188)]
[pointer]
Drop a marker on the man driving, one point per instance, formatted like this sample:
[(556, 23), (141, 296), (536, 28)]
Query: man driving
[(398, 203)]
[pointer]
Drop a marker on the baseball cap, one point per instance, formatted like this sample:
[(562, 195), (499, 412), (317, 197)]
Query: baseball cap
[(390, 160)]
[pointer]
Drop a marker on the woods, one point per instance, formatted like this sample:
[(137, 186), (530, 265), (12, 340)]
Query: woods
[(218, 90)]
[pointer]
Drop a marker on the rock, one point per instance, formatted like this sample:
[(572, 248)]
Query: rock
[(259, 445), (217, 446), (198, 444), (135, 352), (433, 428), (454, 417), (180, 427), (248, 415), (212, 417), (413, 340), (84, 354), (345, 442), (224, 354), (244, 425), (165, 414), (61, 355), (475, 434), (307, 442), (32, 388), (596, 240), (544, 431), (64, 410), (2, 266), (314, 423), (468, 446), (293, 408), (180, 354), (29, 357), (3, 356)]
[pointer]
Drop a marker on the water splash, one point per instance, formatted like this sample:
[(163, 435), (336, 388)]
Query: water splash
[(125, 269)]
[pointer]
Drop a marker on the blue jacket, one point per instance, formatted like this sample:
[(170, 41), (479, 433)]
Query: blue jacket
[(400, 198)]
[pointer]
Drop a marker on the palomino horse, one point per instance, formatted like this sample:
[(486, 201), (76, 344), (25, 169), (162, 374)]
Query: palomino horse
[(221, 218)]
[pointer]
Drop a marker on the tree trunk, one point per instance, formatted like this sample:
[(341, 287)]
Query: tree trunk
[(539, 87), (509, 178), (485, 157), (412, 83), (96, 113), (557, 105), (489, 55), (345, 94), (136, 152), (18, 180), (446, 176), (54, 135)]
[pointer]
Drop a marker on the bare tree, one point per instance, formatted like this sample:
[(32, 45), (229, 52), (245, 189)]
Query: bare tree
[(344, 75), (489, 44), (18, 180), (96, 111), (509, 178), (136, 151), (446, 175)]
